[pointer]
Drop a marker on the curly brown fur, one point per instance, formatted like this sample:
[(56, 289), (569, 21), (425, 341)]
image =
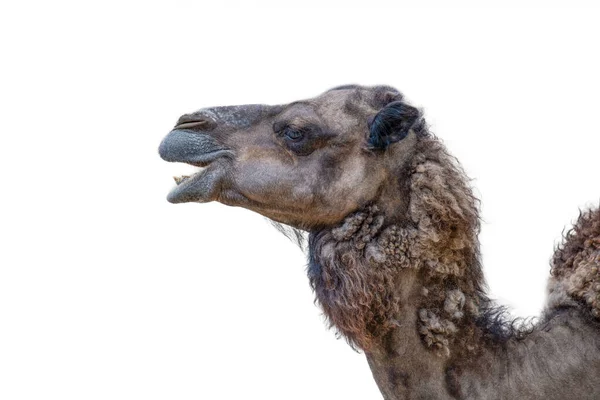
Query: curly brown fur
[(576, 266), (357, 297), (354, 267)]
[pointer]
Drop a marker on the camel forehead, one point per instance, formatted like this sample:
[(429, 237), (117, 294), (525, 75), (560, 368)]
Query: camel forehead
[(339, 109), (343, 98), (358, 101), (336, 97)]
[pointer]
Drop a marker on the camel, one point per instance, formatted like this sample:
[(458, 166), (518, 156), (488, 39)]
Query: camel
[(393, 251)]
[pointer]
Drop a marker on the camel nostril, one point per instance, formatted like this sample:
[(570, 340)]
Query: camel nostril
[(194, 121), (189, 125)]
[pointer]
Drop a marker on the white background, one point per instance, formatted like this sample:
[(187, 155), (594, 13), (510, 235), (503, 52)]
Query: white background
[(109, 292)]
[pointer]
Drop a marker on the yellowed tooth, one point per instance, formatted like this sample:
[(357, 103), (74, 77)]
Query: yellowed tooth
[(179, 179)]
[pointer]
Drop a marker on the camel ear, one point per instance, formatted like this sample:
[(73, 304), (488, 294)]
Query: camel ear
[(391, 124)]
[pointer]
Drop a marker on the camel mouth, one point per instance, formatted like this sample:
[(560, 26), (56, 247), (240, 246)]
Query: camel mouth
[(202, 186), (181, 178), (199, 150), (199, 187)]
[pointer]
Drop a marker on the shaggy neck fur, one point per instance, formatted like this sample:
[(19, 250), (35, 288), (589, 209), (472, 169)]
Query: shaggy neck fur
[(365, 269)]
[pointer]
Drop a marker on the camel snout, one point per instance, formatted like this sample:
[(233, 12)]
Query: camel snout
[(195, 148)]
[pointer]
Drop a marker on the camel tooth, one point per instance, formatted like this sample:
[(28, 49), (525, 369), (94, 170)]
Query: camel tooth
[(179, 179)]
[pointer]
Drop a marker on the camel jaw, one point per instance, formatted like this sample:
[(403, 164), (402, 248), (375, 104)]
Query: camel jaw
[(199, 150)]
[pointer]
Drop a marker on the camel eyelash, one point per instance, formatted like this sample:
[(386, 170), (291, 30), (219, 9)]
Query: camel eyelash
[(294, 132)]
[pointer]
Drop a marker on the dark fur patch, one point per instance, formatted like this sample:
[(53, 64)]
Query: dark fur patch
[(499, 326), (453, 382), (398, 379)]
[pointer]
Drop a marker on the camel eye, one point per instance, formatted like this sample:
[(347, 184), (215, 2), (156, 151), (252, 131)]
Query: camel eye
[(293, 134), (301, 139)]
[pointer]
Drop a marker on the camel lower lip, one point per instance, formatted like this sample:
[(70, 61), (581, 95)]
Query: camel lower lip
[(199, 187)]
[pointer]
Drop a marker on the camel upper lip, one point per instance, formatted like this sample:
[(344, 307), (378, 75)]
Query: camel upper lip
[(195, 148)]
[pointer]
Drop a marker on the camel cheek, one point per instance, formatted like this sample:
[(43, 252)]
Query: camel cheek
[(355, 185), (273, 183)]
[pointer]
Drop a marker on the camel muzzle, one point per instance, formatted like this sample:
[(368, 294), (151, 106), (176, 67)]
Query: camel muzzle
[(198, 149), (191, 147)]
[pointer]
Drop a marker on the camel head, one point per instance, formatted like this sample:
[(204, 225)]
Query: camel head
[(307, 164)]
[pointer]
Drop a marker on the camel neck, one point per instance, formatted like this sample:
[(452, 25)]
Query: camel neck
[(403, 368), (380, 290), (365, 274)]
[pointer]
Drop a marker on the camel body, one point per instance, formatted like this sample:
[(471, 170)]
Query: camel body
[(394, 255)]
